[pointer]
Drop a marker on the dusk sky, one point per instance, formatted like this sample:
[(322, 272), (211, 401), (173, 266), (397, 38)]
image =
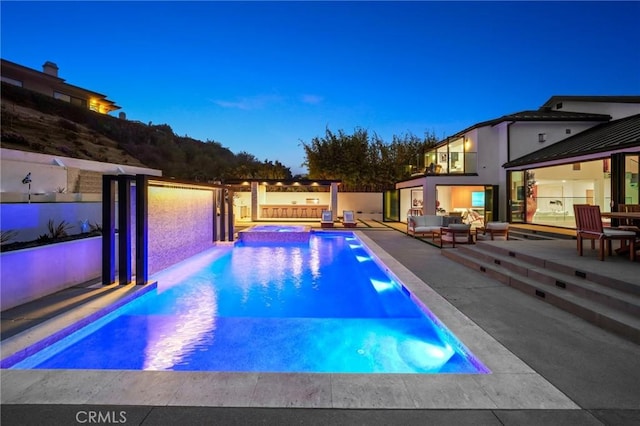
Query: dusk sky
[(262, 76)]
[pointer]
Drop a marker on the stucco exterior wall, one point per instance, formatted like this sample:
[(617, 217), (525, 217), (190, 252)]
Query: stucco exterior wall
[(44, 177), (615, 110), (524, 135)]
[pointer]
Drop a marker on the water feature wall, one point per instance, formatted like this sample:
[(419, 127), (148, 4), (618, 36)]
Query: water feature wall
[(180, 224), (160, 222)]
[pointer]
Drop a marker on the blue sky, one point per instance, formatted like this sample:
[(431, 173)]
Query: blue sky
[(262, 76)]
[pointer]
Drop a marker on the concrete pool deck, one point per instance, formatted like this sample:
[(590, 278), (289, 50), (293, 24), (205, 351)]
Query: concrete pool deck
[(548, 367)]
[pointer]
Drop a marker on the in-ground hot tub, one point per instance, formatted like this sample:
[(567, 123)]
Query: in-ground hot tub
[(276, 233)]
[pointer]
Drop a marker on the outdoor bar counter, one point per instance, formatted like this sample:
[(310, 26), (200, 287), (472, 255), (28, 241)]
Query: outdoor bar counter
[(292, 211)]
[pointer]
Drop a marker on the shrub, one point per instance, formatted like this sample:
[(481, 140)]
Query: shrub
[(59, 231), (7, 236), (43, 239)]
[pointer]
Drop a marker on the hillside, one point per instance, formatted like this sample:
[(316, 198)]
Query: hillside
[(37, 123), (26, 129)]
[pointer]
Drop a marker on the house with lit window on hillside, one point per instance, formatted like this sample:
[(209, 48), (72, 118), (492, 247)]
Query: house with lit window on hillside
[(48, 83), (530, 166)]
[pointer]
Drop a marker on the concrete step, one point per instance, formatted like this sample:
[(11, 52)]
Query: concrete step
[(535, 234), (614, 298), (517, 235), (549, 264), (595, 309)]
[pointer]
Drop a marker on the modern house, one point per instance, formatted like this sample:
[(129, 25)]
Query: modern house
[(531, 166), (48, 83)]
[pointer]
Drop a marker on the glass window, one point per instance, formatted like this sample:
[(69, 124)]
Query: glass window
[(62, 96), (12, 81), (552, 191)]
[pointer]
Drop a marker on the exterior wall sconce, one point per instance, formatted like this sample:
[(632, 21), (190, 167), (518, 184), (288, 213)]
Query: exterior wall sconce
[(542, 137)]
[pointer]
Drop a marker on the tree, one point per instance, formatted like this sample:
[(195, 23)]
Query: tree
[(364, 162)]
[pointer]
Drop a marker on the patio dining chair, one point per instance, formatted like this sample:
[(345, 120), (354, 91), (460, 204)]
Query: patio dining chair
[(589, 226)]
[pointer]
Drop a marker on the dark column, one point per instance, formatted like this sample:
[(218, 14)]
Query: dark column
[(124, 229), (230, 217), (108, 229), (617, 184), (214, 224), (142, 229), (223, 210)]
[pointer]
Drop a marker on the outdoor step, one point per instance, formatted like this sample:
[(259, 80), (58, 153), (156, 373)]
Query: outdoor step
[(539, 234), (528, 236), (623, 301), (601, 279), (603, 316)]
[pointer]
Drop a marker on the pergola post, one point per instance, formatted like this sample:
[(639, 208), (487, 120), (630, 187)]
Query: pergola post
[(142, 229), (214, 224), (124, 229), (254, 201), (334, 200), (230, 220), (108, 229), (223, 211)]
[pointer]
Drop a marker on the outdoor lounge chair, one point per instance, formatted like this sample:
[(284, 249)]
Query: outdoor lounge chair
[(456, 233), (348, 219), (493, 231), (326, 220), (589, 226)]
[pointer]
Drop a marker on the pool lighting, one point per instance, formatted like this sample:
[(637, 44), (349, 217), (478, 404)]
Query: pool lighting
[(363, 258), (425, 355), (381, 286)]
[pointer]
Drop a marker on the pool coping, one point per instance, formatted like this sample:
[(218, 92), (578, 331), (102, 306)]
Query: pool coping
[(512, 384)]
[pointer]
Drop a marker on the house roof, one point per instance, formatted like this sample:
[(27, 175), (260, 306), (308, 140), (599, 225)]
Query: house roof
[(618, 134), (537, 115), (553, 100), (39, 74), (544, 113)]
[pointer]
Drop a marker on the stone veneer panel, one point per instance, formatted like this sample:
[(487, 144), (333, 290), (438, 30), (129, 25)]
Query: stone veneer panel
[(180, 225)]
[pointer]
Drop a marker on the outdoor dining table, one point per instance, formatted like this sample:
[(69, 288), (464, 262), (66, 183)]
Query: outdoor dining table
[(623, 215)]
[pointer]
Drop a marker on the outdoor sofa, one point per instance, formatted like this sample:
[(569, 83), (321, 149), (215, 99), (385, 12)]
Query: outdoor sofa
[(425, 225)]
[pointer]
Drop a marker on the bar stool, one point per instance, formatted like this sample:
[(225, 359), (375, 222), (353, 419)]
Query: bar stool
[(265, 212), (303, 212), (275, 212), (294, 212), (314, 212), (284, 212)]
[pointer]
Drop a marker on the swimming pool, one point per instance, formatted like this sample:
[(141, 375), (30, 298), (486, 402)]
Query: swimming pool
[(324, 306)]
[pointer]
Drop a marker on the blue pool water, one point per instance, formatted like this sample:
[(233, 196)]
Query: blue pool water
[(325, 306)]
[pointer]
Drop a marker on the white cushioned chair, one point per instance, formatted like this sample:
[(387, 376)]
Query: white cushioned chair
[(493, 231), (327, 219), (456, 233)]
